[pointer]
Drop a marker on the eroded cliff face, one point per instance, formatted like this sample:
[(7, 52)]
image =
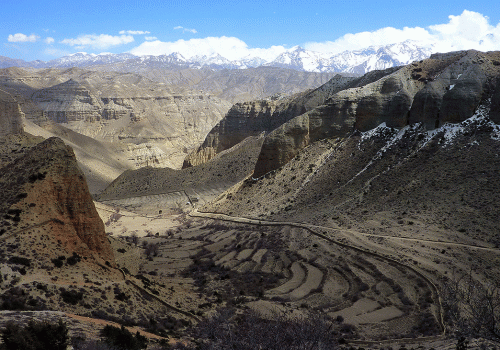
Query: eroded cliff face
[(241, 121), (43, 187), (254, 117), (11, 116), (444, 88), (149, 123)]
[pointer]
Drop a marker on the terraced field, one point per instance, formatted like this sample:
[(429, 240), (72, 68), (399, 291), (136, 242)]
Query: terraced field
[(270, 268)]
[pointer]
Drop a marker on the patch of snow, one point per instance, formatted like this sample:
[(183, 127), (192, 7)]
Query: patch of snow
[(366, 135), (452, 86), (495, 134)]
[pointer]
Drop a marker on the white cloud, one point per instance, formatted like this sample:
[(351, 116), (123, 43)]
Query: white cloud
[(22, 38), (363, 40), (49, 40), (134, 32), (150, 38), (184, 30), (101, 41), (229, 47), (470, 30)]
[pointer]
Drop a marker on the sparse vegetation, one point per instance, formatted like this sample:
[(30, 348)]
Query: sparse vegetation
[(472, 309), (122, 339), (35, 336), (249, 331)]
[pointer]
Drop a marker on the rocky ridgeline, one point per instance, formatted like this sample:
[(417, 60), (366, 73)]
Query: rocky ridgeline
[(444, 88), (254, 117), (441, 89)]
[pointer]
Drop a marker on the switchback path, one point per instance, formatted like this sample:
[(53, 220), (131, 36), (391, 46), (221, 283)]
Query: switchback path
[(312, 229)]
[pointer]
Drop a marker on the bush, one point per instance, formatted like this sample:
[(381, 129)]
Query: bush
[(227, 330), (20, 261), (14, 299), (35, 336), (121, 338), (57, 262), (72, 260), (71, 296)]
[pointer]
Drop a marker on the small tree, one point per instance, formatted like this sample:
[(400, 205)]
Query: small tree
[(134, 238), (471, 308), (152, 249)]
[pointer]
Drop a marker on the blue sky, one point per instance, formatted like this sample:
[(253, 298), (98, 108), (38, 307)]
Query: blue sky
[(50, 29)]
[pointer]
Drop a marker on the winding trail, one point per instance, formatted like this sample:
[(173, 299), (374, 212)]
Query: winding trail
[(312, 229), (125, 277)]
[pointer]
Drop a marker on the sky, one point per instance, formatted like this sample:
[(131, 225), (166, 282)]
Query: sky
[(49, 29)]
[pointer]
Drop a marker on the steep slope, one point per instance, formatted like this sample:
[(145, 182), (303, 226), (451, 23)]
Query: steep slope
[(444, 88), (225, 170), (254, 117), (11, 116), (442, 183), (44, 187), (101, 162)]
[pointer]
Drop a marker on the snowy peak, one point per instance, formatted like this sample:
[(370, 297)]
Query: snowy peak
[(82, 59), (297, 58)]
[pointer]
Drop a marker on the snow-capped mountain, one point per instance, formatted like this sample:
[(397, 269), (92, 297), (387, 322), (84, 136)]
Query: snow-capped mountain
[(377, 57), (359, 62), (83, 59), (297, 58)]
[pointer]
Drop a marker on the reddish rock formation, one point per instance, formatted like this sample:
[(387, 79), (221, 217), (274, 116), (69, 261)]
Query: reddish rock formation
[(45, 184)]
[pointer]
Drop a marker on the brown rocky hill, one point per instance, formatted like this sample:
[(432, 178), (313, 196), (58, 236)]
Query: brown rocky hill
[(441, 184), (254, 117), (443, 88), (56, 259), (43, 186)]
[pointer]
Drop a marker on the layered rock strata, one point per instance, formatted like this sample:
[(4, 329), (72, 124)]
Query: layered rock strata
[(252, 118), (444, 88)]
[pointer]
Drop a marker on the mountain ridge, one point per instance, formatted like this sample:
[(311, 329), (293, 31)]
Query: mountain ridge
[(297, 58)]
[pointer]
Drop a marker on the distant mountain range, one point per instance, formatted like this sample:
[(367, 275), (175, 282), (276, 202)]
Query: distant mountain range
[(297, 58)]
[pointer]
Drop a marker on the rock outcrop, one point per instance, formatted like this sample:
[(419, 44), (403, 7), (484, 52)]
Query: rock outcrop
[(68, 102), (252, 118), (444, 88), (44, 186), (11, 116)]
